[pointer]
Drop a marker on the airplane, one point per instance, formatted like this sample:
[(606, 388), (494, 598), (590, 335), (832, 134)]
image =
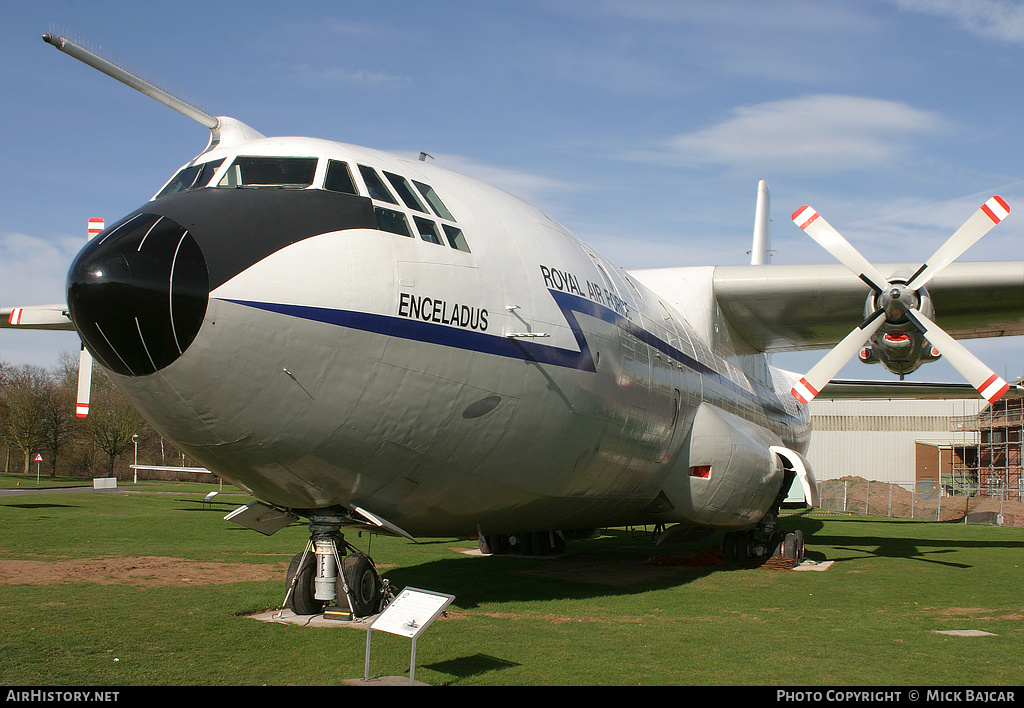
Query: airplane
[(368, 341)]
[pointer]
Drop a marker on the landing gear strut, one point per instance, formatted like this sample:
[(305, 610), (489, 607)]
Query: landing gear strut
[(763, 542), (315, 584)]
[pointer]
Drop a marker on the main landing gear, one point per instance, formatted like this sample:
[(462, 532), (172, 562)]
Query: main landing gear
[(315, 584), (537, 543), (763, 542)]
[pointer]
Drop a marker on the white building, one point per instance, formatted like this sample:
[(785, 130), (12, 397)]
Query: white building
[(874, 439)]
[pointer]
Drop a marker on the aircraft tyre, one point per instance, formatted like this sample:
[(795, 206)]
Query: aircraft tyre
[(491, 544), (736, 546), (364, 584), (729, 546), (793, 546), (301, 600), (536, 543), (547, 542)]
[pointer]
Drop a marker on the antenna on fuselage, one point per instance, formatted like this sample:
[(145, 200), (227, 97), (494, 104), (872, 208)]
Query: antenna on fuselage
[(219, 127)]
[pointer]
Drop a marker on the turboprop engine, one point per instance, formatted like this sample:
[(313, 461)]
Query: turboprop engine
[(899, 345), (899, 313)]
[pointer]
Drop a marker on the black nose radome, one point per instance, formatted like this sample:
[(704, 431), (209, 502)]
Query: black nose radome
[(138, 292)]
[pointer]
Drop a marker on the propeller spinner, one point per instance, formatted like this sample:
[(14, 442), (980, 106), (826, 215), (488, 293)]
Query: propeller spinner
[(903, 304)]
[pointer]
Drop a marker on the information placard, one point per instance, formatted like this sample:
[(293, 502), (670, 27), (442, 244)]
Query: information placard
[(412, 612)]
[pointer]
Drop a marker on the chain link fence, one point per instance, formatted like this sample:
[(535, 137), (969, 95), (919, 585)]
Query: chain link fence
[(926, 500)]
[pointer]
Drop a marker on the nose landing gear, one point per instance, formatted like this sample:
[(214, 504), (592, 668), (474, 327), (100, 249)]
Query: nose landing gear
[(331, 573)]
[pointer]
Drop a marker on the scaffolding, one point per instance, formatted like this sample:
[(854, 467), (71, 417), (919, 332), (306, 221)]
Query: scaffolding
[(992, 465)]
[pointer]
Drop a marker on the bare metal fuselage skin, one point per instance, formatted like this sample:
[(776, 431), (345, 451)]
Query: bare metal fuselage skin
[(526, 384)]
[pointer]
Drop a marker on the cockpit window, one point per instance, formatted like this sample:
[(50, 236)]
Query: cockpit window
[(401, 186), (191, 177), (338, 178), (455, 237), (428, 230), (391, 220), (375, 186), (435, 201), (279, 172), (429, 227)]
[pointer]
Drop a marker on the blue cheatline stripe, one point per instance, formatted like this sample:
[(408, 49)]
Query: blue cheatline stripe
[(570, 304), (445, 335), (432, 333)]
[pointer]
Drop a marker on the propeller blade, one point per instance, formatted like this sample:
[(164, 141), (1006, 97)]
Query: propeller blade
[(95, 227), (981, 222), (989, 385), (84, 383), (821, 231), (809, 386)]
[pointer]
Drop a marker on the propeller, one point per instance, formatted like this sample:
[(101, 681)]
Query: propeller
[(899, 301), (84, 357)]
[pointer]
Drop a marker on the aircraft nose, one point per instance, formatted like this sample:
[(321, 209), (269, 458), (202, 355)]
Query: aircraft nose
[(137, 293)]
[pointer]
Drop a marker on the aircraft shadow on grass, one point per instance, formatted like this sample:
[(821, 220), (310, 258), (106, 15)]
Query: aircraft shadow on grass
[(613, 565), (40, 506), (880, 546)]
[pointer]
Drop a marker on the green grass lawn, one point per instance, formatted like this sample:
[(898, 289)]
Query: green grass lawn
[(597, 615)]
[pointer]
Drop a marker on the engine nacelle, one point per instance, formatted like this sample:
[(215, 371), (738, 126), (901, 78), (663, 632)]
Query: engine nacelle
[(898, 344), (731, 478)]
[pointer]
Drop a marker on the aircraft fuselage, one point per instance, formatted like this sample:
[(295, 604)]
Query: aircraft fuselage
[(395, 336)]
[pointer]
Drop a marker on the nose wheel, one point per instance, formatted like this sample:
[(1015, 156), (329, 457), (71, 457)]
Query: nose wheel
[(331, 574)]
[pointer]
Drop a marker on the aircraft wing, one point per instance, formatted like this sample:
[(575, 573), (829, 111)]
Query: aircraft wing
[(171, 468), (37, 317), (780, 308), (841, 388)]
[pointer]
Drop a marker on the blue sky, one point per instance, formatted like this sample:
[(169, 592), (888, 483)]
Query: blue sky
[(642, 126)]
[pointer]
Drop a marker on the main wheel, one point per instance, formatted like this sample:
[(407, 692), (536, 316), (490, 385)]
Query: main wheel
[(493, 544), (729, 546), (363, 584), (301, 600), (794, 547)]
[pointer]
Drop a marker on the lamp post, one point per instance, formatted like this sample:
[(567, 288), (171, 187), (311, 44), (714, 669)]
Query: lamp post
[(135, 468)]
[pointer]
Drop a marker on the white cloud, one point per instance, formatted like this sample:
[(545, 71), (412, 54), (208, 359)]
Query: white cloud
[(533, 188), (33, 270), (319, 78), (996, 19), (816, 133)]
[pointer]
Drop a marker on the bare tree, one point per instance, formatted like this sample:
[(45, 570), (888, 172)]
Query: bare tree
[(22, 394), (112, 420), (57, 408)]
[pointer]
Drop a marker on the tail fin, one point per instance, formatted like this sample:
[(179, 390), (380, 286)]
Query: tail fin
[(760, 253)]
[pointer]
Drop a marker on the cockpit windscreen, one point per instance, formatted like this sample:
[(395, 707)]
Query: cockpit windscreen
[(191, 177), (279, 172)]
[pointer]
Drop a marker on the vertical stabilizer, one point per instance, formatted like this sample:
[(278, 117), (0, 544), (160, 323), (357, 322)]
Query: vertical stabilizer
[(760, 253)]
